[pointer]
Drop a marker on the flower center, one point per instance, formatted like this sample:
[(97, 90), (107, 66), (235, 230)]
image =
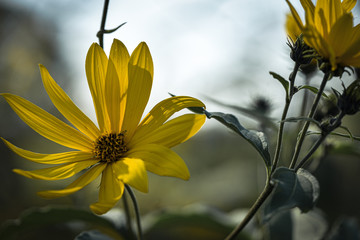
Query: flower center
[(110, 147)]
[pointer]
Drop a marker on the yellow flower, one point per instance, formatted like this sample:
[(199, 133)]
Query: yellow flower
[(291, 27), (329, 29), (121, 149)]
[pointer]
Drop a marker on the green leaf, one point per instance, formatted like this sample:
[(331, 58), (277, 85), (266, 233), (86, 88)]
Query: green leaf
[(250, 112), (38, 218), (257, 139), (312, 89), (292, 189), (282, 80)]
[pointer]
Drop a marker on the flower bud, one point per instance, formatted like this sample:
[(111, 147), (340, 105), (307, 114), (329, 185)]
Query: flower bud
[(349, 101)]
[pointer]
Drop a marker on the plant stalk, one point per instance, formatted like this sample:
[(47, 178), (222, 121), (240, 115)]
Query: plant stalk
[(137, 212), (283, 117), (100, 33), (311, 114), (255, 207)]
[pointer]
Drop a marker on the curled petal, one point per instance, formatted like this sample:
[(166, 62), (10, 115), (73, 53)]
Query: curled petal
[(47, 125), (173, 132), (58, 172), (67, 107), (111, 190), (55, 158), (132, 171), (162, 112), (161, 161), (78, 184)]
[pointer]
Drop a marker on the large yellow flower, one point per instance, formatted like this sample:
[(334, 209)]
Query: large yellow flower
[(330, 30), (121, 149)]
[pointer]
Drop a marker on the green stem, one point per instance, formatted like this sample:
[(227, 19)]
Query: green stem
[(261, 199), (323, 136), (100, 34), (311, 114), (137, 212), (310, 153), (283, 117), (127, 214)]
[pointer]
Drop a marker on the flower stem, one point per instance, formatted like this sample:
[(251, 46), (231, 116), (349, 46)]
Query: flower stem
[(137, 212), (327, 76), (310, 153), (255, 207), (127, 214), (283, 117), (100, 33)]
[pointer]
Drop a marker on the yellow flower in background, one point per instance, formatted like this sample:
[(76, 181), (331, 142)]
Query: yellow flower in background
[(122, 148), (330, 30), (292, 28)]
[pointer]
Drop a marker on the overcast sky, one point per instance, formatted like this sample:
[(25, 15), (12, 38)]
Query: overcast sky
[(223, 49)]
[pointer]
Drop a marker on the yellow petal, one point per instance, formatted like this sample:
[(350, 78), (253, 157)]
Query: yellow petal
[(75, 186), (67, 107), (120, 57), (47, 125), (308, 5), (111, 190), (132, 171), (56, 158), (57, 172), (112, 97), (95, 66), (291, 27), (341, 34), (348, 5), (161, 160), (354, 47), (322, 24), (162, 112), (139, 87), (295, 15), (173, 132)]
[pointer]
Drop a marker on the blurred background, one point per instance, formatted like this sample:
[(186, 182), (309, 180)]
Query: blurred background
[(218, 49)]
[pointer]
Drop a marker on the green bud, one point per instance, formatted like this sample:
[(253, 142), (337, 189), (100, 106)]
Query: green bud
[(349, 101), (300, 51)]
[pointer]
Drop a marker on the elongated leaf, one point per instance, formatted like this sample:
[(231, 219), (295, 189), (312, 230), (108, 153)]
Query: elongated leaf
[(297, 119), (257, 139), (312, 89), (292, 189), (42, 217), (282, 80)]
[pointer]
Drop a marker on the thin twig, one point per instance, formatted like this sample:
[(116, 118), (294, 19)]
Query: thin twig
[(261, 199), (100, 34), (127, 214), (136, 209)]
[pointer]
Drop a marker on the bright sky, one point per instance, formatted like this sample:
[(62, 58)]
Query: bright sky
[(223, 49)]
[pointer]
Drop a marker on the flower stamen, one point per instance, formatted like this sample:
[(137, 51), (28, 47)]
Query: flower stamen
[(110, 147)]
